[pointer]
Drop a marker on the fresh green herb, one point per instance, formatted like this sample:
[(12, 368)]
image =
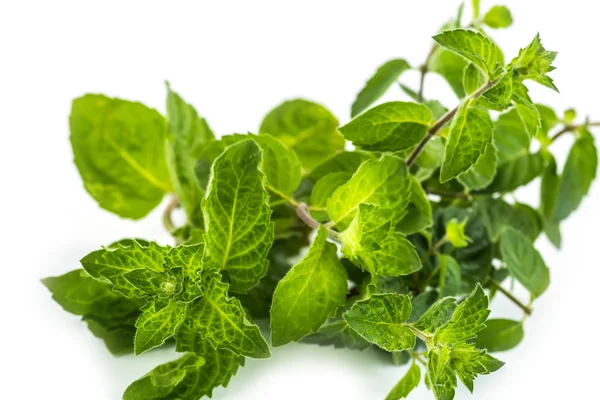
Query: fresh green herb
[(397, 245)]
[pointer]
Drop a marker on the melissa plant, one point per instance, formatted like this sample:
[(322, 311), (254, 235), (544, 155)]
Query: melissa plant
[(398, 245)]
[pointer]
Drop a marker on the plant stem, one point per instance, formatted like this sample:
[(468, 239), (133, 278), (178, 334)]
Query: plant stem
[(303, 214), (511, 297), (417, 356), (572, 128), (167, 219), (444, 120), (424, 69), (442, 193)]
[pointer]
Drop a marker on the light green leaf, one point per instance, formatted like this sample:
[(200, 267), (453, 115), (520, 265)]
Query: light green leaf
[(310, 292), (528, 112), (534, 62), (440, 377), (476, 8), (498, 17), (192, 376), (450, 276), (455, 233), (481, 173), (472, 45), (549, 195), (473, 78), (549, 119), (222, 321), (432, 155), (516, 173), (305, 127), (280, 165), (382, 182), (577, 176), (437, 315), (468, 362), (156, 324), (468, 319), (500, 335), (418, 215), (325, 187), (117, 266), (372, 243), (510, 136), (381, 320), (375, 87), (524, 261), (187, 134), (119, 149), (392, 126), (237, 215), (470, 133), (345, 161), (406, 385), (339, 335), (450, 66)]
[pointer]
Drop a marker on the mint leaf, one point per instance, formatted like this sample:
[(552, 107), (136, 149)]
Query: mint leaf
[(549, 195), (375, 87), (407, 384), (392, 126), (325, 187), (440, 377), (468, 319), (496, 214), (305, 127), (339, 335), (381, 320), (190, 377), (524, 262), (418, 212), (577, 176), (187, 134), (382, 182), (500, 335), (372, 243), (157, 323), (470, 133), (528, 112), (481, 173), (437, 315), (311, 291), (236, 209), (473, 46), (513, 174), (468, 362), (222, 321), (280, 165), (534, 62), (450, 276), (119, 150), (344, 161), (450, 66), (510, 136), (498, 17)]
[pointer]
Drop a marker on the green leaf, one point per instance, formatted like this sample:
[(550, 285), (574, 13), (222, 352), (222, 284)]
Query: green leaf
[(310, 292), (450, 276), (468, 319), (516, 173), (440, 377), (510, 136), (473, 78), (134, 271), (437, 315), (372, 243), (418, 215), (500, 335), (119, 149), (280, 165), (305, 127), (239, 232), (524, 262), (455, 233), (421, 303), (325, 187), (339, 335), (450, 66), (222, 321), (381, 320), (468, 362), (191, 376), (481, 173), (528, 112), (187, 134), (345, 161), (472, 45), (549, 195), (392, 126), (470, 134), (406, 385), (157, 324), (476, 8), (534, 62), (577, 176), (498, 17), (496, 214), (109, 315), (382, 182), (375, 87)]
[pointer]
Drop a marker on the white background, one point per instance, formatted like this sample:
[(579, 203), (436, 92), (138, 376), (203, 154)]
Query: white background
[(234, 61)]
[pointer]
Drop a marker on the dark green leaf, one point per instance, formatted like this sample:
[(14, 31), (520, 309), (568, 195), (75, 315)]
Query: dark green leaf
[(500, 335)]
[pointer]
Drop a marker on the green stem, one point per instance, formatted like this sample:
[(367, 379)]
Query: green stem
[(167, 219), (424, 69), (417, 356), (304, 215), (572, 128), (444, 120), (511, 297)]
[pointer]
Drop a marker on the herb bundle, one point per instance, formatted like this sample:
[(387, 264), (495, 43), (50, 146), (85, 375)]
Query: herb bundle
[(398, 245)]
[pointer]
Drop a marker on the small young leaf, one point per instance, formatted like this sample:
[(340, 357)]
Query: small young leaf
[(500, 335), (455, 233), (472, 45), (534, 62), (375, 87), (406, 384), (381, 320), (119, 149), (236, 204), (305, 127), (524, 262), (498, 17), (437, 315), (470, 134), (310, 292), (157, 324)]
